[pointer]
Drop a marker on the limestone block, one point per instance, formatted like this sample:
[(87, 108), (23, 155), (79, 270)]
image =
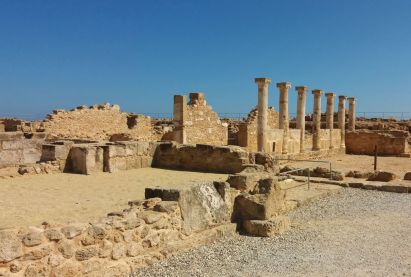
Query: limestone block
[(201, 207), (245, 182), (10, 246), (267, 228), (86, 159), (260, 206), (33, 238), (382, 176)]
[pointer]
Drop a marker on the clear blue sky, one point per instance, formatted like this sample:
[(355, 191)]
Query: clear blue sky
[(138, 54)]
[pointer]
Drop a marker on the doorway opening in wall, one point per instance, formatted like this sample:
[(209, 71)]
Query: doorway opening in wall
[(274, 147)]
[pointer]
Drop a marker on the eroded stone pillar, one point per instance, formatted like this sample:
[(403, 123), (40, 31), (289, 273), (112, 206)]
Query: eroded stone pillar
[(330, 115), (283, 107), (351, 113), (179, 117), (262, 108), (317, 119), (341, 118), (301, 102)]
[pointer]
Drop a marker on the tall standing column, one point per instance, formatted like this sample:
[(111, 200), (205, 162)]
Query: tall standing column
[(341, 118), (283, 107), (317, 119), (330, 115), (302, 92), (262, 113), (351, 113), (179, 117), (283, 114)]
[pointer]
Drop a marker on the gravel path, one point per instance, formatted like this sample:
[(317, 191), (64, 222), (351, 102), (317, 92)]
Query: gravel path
[(353, 233)]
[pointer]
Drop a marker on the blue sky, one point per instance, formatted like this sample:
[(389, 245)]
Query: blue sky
[(138, 54)]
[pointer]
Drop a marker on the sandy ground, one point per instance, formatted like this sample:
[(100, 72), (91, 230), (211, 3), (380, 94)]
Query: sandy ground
[(345, 163), (63, 198)]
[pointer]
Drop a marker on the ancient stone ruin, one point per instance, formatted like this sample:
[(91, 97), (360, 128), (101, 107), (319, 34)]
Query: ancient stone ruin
[(254, 198)]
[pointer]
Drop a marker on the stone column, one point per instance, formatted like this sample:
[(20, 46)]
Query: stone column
[(330, 115), (302, 92), (341, 118), (283, 107), (351, 113), (179, 117), (262, 113), (317, 119)]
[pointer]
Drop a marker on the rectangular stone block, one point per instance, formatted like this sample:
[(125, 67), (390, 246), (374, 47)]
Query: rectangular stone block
[(86, 159)]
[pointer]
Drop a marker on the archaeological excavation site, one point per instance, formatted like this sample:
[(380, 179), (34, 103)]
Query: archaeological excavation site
[(98, 191)]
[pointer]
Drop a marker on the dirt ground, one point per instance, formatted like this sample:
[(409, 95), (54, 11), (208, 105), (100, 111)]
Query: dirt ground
[(345, 163), (63, 198)]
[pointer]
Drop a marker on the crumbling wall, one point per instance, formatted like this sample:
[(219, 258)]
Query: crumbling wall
[(247, 133), (99, 122), (196, 122), (17, 148), (202, 124), (200, 157), (118, 244), (389, 143)]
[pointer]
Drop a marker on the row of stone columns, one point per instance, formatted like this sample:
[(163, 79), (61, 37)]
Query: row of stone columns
[(301, 103)]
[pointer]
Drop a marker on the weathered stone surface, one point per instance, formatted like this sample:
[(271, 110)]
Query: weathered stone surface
[(86, 253), (119, 251), (66, 248), (33, 238), (382, 176), (228, 194), (167, 207), (150, 217), (53, 235), (15, 267), (267, 228), (407, 176), (37, 253), (67, 269), (72, 231), (358, 174), (260, 206), (36, 270), (201, 207), (244, 182), (10, 246), (134, 249)]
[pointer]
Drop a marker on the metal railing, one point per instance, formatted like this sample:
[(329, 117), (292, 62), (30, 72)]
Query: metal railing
[(304, 168)]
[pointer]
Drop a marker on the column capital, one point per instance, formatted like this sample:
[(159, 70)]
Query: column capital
[(317, 92), (263, 80), (342, 97), (330, 94), (284, 85), (351, 99), (301, 88)]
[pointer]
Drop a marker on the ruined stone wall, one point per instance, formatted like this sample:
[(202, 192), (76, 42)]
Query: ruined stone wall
[(17, 148), (99, 122), (145, 232), (200, 157), (247, 133), (388, 143), (202, 124)]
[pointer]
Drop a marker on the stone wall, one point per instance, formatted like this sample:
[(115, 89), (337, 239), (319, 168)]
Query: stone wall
[(17, 148), (389, 143), (99, 122), (88, 158), (247, 133), (118, 244), (200, 157), (200, 123)]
